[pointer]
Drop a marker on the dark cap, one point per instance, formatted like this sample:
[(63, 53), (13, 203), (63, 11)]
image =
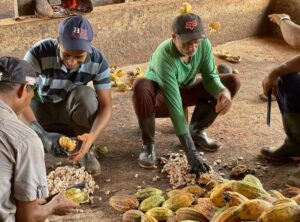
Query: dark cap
[(18, 71), (188, 27), (76, 33)]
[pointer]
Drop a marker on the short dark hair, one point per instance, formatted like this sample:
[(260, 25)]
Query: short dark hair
[(7, 86)]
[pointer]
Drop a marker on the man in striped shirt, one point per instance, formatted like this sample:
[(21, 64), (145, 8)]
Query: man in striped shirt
[(64, 67)]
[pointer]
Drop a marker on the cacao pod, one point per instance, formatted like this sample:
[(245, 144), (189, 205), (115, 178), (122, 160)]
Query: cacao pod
[(188, 213), (124, 202), (160, 213), (132, 216), (147, 192), (196, 190), (151, 202), (148, 218), (178, 201)]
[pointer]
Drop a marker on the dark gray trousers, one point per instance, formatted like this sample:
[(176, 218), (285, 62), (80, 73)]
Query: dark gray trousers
[(288, 93), (71, 117)]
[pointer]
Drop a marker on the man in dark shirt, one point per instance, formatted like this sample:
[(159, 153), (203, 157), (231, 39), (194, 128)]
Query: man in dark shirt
[(284, 82)]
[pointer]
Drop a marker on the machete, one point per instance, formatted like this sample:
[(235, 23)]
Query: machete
[(269, 108)]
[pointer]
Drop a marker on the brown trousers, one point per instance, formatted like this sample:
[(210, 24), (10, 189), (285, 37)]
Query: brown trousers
[(148, 99)]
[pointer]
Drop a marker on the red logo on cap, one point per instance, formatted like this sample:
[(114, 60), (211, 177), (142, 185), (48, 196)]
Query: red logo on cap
[(191, 24), (80, 33)]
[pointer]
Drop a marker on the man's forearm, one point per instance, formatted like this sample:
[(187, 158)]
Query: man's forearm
[(290, 32), (290, 66), (101, 120), (33, 212), (43, 211)]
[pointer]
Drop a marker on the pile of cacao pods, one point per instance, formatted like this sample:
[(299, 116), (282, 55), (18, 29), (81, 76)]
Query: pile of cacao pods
[(122, 81), (214, 201)]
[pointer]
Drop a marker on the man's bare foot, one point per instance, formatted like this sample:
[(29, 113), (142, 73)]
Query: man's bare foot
[(42, 7), (277, 18)]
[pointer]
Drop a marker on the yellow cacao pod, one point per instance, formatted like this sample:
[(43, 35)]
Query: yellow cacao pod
[(251, 209), (206, 207), (174, 192), (217, 194), (285, 201), (276, 194), (249, 178), (225, 215), (178, 201), (148, 218), (205, 178), (151, 202), (119, 72), (234, 198), (188, 213), (186, 8), (196, 190), (268, 198), (160, 213), (124, 202), (281, 213), (132, 216), (214, 26), (113, 77), (248, 190), (147, 192)]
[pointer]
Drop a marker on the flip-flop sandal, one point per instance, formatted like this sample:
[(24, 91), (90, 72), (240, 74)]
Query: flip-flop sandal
[(222, 54), (234, 59)]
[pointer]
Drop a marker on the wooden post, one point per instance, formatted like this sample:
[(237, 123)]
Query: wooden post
[(24, 7)]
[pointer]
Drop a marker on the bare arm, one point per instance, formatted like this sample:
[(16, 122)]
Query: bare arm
[(223, 102), (37, 210), (101, 121), (290, 31), (290, 66)]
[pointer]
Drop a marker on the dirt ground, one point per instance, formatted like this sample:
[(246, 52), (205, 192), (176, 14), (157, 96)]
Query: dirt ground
[(243, 131)]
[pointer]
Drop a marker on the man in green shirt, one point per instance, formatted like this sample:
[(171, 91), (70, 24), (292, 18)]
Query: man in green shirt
[(171, 85)]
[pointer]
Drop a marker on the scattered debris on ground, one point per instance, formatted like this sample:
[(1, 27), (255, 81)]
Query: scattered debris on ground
[(67, 176), (124, 80)]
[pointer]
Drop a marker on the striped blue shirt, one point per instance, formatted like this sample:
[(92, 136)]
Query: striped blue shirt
[(55, 81)]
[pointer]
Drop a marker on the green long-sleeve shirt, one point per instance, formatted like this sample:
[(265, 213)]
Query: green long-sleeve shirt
[(171, 73)]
